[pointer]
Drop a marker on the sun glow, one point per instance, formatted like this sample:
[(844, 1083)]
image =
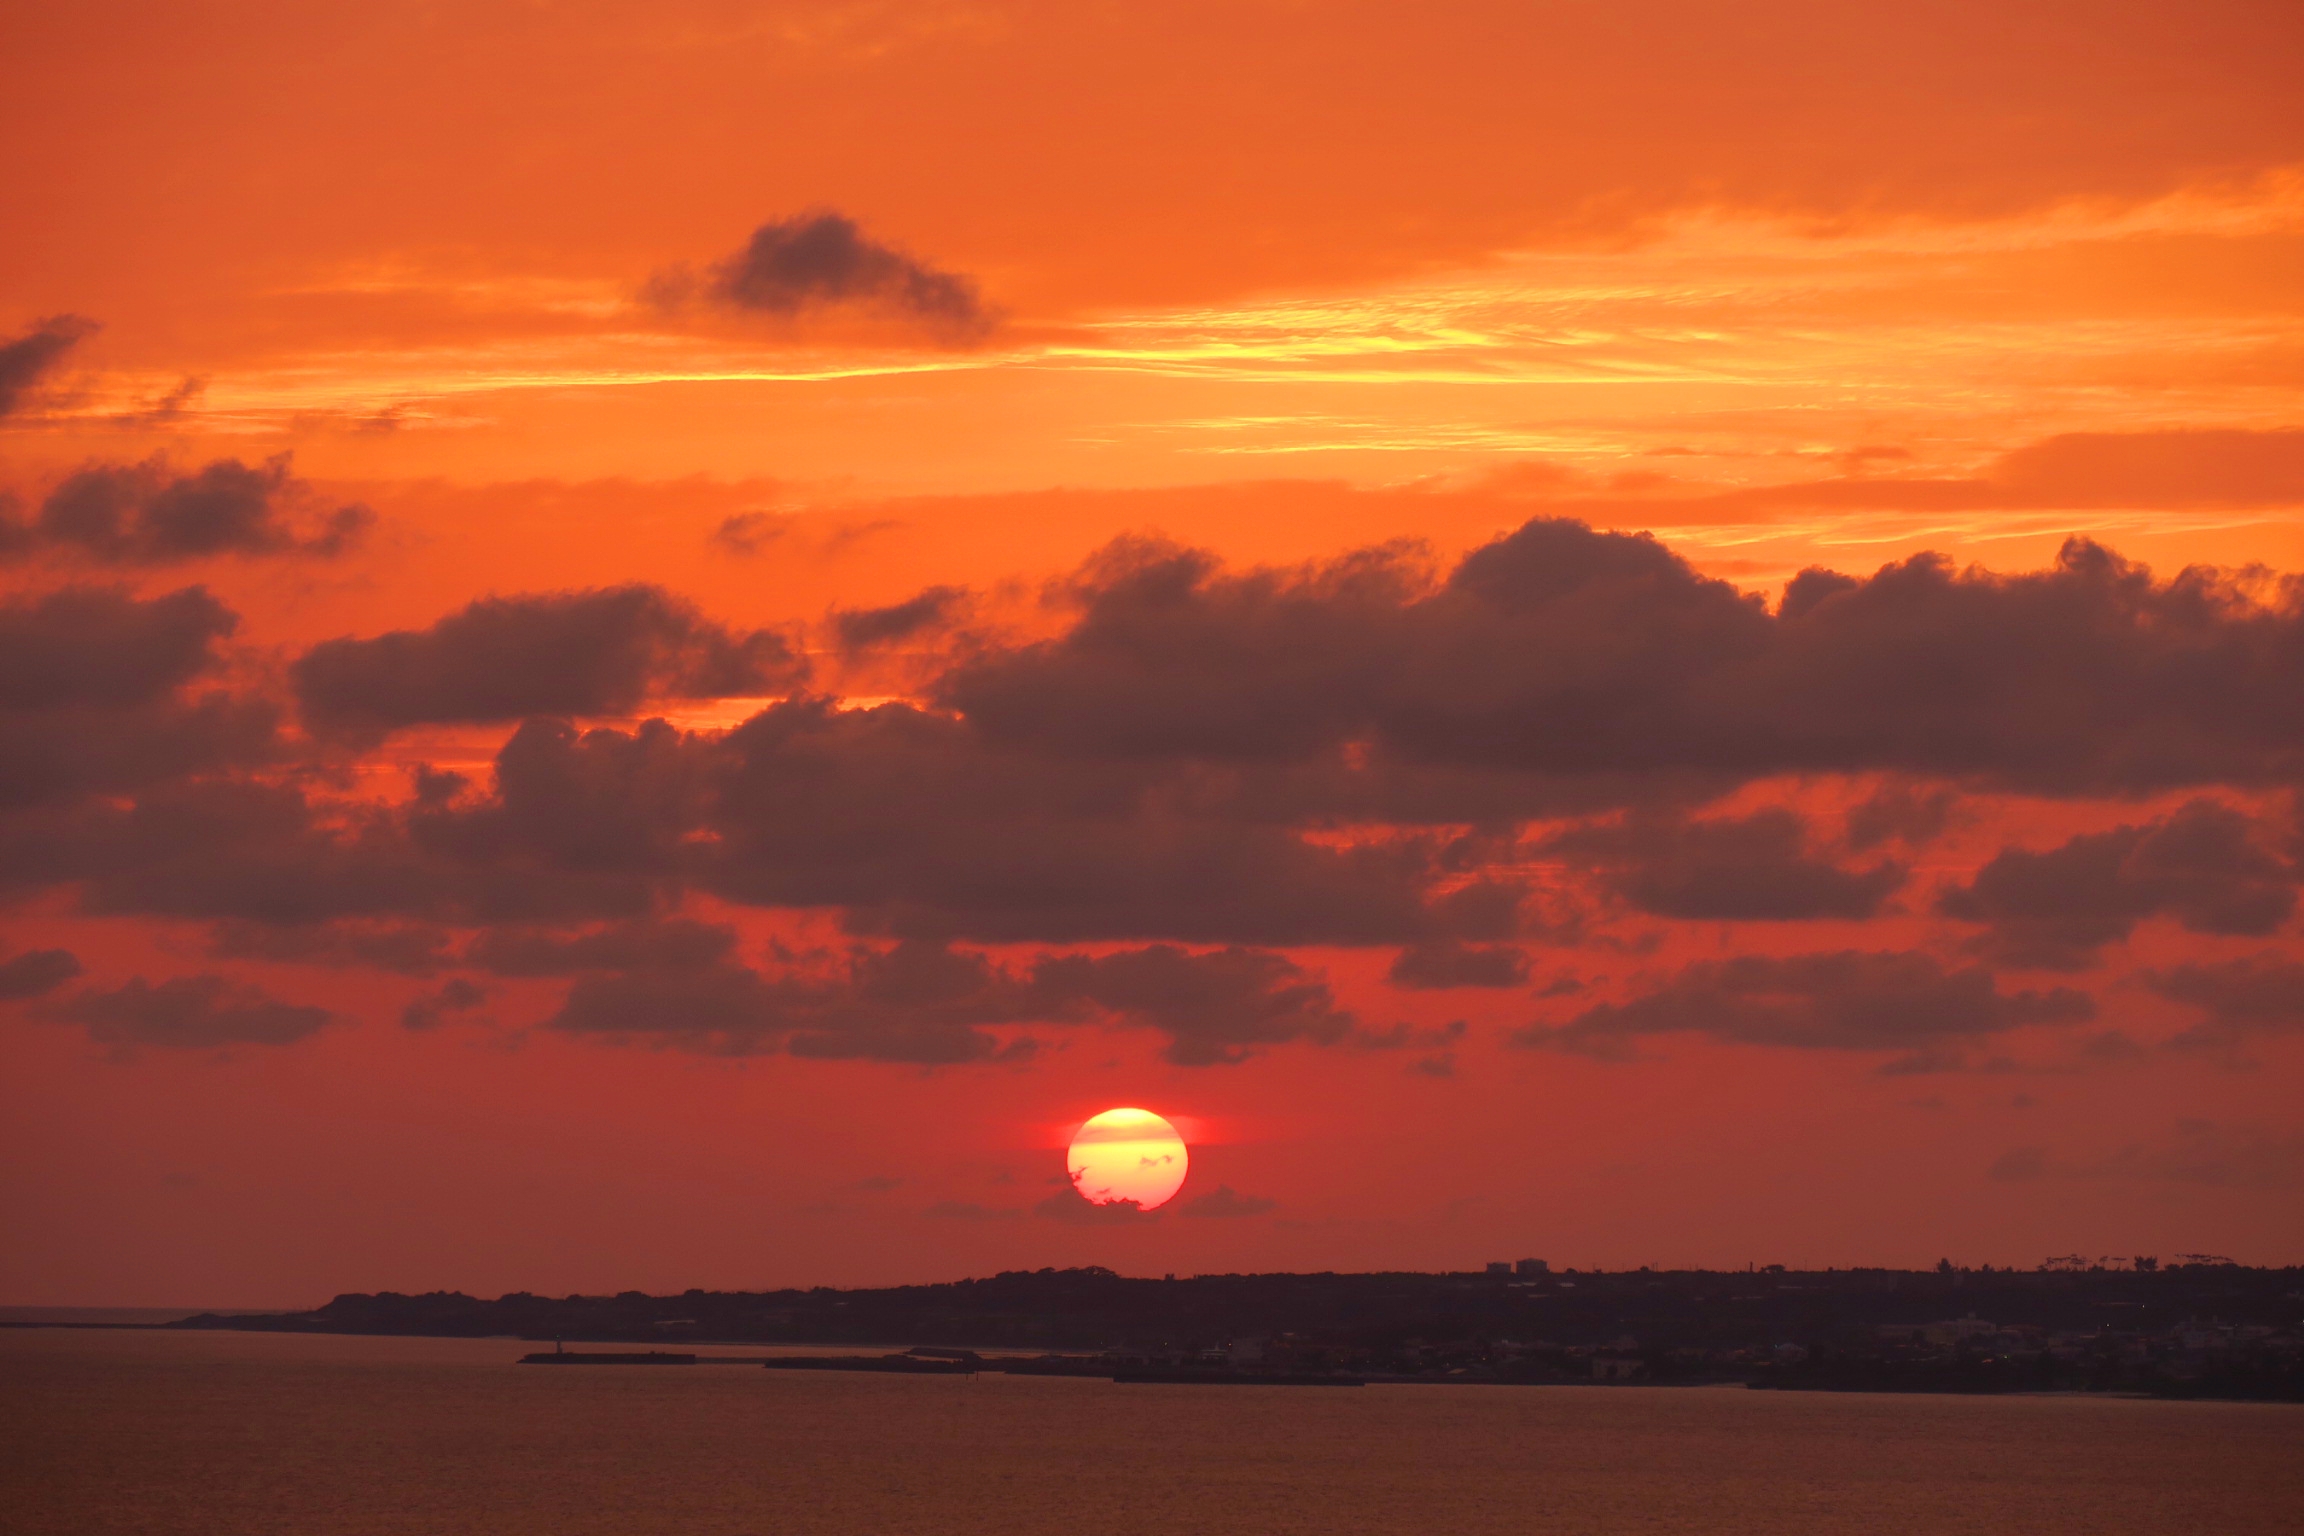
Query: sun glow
[(1127, 1155)]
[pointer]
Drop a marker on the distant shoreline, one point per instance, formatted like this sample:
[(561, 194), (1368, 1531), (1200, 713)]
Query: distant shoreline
[(2187, 1330)]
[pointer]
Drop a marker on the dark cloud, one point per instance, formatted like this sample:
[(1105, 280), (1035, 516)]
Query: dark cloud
[(1198, 769), (1849, 1000), (861, 629), (456, 995), (607, 805), (404, 948), (823, 260), (25, 361), (751, 533), (2205, 865), (141, 514), (189, 1013), (1753, 868), (915, 1003), (1224, 1201), (2259, 994), (898, 818), (1170, 657), (1572, 662), (268, 854), (35, 972), (641, 944), (925, 1003), (910, 822), (1214, 1008), (104, 646), (600, 652), (1451, 963), (92, 694), (726, 1010), (1902, 813), (1168, 768)]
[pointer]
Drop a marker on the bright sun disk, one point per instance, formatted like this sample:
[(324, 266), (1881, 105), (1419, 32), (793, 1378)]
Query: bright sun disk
[(1127, 1155)]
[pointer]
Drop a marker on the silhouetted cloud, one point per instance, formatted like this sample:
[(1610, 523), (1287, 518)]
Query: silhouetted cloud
[(93, 700), (913, 823), (1558, 665), (751, 533), (189, 1013), (641, 944), (1901, 813), (407, 949), (2255, 995), (1846, 1001), (31, 357), (456, 995), (925, 1003), (1752, 868), (103, 646), (267, 854), (1451, 963), (821, 260), (35, 972), (1224, 1201), (1214, 1008), (141, 514), (860, 629), (917, 1003), (600, 652), (1194, 771), (2204, 865)]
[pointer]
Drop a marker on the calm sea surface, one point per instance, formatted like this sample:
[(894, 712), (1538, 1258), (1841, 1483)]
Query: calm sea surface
[(225, 1434)]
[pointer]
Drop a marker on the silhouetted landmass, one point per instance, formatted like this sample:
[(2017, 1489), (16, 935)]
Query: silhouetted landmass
[(2189, 1329)]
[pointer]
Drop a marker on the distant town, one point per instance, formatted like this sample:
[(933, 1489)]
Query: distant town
[(2196, 1325)]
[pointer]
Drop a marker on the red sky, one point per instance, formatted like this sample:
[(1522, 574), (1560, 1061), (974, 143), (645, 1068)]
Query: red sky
[(1240, 559)]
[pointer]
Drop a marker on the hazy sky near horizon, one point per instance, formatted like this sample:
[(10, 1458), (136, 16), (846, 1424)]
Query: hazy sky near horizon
[(652, 645)]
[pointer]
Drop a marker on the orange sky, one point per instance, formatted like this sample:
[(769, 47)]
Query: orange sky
[(777, 362)]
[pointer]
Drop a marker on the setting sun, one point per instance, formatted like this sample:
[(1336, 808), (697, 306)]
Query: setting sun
[(1127, 1155)]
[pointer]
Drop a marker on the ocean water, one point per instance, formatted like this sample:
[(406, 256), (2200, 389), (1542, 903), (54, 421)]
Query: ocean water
[(211, 1434)]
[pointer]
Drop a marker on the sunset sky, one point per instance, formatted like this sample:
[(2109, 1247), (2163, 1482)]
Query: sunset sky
[(651, 645)]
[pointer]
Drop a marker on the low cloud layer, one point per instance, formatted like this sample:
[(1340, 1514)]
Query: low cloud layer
[(1150, 817)]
